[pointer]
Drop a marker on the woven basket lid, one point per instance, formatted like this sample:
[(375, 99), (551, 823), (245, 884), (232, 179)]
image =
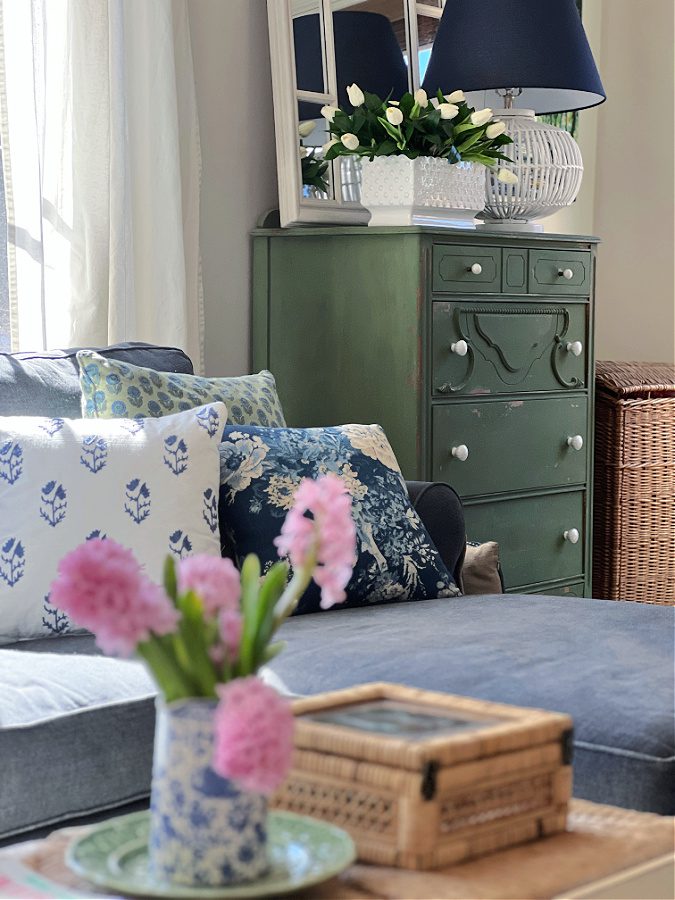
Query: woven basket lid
[(635, 379)]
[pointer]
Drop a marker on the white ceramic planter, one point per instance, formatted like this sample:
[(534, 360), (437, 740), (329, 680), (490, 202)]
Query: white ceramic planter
[(401, 191)]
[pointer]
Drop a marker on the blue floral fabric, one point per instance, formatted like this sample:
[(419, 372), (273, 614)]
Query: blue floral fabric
[(260, 470)]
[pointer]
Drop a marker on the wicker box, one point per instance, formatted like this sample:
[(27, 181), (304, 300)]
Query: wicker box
[(422, 780), (634, 490)]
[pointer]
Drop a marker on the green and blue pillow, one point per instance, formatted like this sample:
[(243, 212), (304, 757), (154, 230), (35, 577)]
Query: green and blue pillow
[(112, 389), (261, 469)]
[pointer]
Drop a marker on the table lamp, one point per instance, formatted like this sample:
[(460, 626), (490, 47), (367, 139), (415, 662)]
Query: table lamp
[(534, 53)]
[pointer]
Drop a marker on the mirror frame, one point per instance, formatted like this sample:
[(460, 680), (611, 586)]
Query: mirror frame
[(294, 209)]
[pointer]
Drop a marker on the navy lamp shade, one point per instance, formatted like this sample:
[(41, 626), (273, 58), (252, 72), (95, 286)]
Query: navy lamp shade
[(537, 46), (367, 53)]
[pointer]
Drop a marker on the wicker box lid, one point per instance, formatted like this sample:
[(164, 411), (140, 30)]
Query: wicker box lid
[(624, 380)]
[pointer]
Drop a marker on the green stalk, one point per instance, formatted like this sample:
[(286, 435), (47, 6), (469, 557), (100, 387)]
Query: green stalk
[(170, 678)]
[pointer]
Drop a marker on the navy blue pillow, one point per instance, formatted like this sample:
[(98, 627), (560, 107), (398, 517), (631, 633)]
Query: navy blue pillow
[(260, 469)]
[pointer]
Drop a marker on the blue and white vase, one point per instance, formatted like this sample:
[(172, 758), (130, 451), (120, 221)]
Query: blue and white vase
[(204, 830)]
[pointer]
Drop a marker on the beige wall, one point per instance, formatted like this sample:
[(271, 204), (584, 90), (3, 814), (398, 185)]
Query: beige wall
[(634, 188), (234, 98), (626, 196)]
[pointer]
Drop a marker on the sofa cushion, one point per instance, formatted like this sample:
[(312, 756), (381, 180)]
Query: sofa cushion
[(47, 383), (151, 485), (608, 664), (111, 389), (261, 469), (76, 732)]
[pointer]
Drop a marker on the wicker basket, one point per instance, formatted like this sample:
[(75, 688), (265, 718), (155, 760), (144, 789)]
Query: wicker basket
[(484, 777), (634, 491)]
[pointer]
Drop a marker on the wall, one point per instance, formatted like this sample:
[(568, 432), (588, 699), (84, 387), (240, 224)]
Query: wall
[(634, 190), (234, 98)]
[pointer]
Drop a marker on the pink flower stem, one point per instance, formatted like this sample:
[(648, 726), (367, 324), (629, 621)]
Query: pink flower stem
[(159, 656), (287, 603)]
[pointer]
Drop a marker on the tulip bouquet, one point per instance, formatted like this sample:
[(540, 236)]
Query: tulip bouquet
[(209, 629), (444, 127)]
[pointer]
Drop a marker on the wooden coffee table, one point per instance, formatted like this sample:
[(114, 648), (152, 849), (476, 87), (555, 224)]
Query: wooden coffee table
[(605, 853)]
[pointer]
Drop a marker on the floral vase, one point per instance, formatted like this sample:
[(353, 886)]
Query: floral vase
[(401, 191), (204, 830)]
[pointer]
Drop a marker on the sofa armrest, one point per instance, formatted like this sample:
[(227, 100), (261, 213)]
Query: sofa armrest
[(440, 509)]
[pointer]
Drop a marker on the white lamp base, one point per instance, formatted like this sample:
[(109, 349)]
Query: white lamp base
[(509, 225), (549, 168)]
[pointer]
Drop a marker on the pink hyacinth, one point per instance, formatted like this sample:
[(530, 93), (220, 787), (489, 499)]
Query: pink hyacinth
[(101, 586), (231, 624), (253, 730), (330, 535), (215, 581)]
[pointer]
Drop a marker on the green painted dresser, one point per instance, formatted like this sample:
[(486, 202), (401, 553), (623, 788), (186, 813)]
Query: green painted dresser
[(473, 350)]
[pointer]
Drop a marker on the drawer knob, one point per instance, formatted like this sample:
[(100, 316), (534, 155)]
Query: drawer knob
[(574, 347), (572, 535), (461, 453), (567, 274), (475, 269), (576, 442), (461, 348)]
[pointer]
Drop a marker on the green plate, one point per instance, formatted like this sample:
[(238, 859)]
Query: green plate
[(302, 852)]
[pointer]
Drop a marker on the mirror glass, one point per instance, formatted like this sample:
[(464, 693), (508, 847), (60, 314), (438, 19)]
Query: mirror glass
[(316, 175), (310, 56)]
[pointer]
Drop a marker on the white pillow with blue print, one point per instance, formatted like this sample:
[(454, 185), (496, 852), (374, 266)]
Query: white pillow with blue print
[(151, 484)]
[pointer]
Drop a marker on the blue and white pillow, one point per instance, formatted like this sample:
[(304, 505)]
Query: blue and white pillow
[(150, 484), (261, 469)]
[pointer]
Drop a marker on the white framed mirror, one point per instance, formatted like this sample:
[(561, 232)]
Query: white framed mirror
[(317, 48)]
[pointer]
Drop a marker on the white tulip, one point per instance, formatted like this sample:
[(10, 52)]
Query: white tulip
[(448, 110), (455, 97), (355, 94), (394, 102), (481, 116), (328, 112), (331, 143), (306, 128), (350, 141), (394, 116), (494, 130), (507, 176), (421, 98), (304, 152)]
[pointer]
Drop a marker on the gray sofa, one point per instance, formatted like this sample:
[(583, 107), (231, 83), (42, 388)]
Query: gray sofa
[(76, 728)]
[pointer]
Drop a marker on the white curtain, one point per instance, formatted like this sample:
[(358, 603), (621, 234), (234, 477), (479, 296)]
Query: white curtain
[(102, 173)]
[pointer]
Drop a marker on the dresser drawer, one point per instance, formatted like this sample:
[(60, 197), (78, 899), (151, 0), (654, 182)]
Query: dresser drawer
[(560, 272), (512, 445), (530, 534), (466, 270), (497, 348), (562, 590)]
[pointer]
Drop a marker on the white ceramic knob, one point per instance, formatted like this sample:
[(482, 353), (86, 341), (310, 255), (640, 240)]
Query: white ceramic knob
[(572, 535), (574, 347), (567, 274), (461, 348), (576, 442), (476, 269), (461, 453)]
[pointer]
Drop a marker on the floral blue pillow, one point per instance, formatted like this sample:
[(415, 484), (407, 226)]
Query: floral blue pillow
[(260, 469)]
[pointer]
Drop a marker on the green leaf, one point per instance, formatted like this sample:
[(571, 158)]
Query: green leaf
[(391, 131), (250, 590), (468, 143), (271, 590), (170, 582), (192, 633), (465, 127), (386, 148), (171, 680), (272, 651)]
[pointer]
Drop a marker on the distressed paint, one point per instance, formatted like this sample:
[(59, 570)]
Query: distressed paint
[(356, 324)]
